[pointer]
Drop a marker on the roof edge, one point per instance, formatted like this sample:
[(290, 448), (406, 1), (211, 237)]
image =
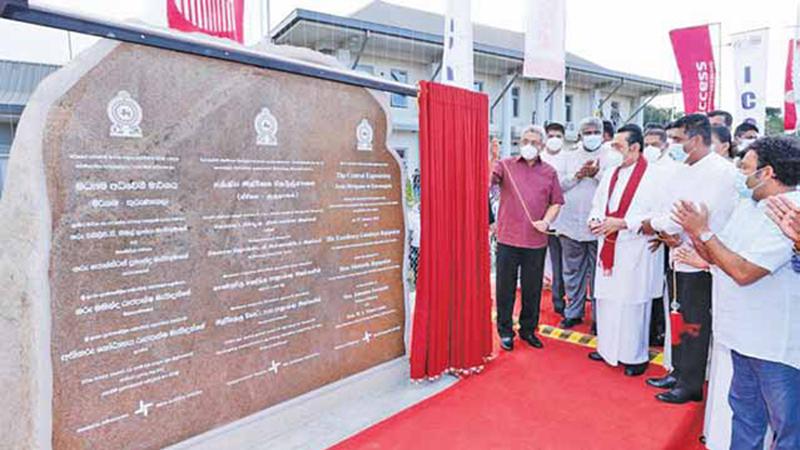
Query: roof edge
[(301, 14)]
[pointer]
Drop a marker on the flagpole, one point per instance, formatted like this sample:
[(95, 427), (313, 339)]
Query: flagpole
[(719, 69), (795, 57)]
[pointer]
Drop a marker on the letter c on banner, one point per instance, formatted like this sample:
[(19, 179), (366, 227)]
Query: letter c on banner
[(748, 100)]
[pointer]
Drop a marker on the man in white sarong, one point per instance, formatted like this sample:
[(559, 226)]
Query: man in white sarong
[(624, 281)]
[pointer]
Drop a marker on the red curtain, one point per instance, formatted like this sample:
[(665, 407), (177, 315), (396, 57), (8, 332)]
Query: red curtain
[(452, 329)]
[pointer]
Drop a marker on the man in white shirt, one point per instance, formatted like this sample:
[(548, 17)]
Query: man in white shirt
[(551, 155), (579, 174), (655, 151), (708, 178), (756, 300), (624, 285)]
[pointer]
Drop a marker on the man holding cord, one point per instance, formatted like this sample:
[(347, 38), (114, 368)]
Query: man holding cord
[(531, 198)]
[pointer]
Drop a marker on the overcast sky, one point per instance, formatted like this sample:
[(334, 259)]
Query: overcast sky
[(627, 35)]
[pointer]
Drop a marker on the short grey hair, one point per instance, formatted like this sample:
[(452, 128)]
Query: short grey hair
[(591, 122), (536, 129)]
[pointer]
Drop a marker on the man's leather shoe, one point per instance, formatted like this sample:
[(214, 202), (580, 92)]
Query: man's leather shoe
[(635, 370), (569, 323), (595, 356), (507, 343), (679, 396), (667, 382), (532, 340)]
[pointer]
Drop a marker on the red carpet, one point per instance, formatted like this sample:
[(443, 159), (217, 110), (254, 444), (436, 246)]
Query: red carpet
[(541, 399)]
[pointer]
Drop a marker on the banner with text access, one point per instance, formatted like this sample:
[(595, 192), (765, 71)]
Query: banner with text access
[(695, 57)]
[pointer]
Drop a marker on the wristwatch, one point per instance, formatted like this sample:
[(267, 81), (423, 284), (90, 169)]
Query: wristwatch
[(706, 236)]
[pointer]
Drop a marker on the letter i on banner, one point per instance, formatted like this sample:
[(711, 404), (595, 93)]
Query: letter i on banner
[(457, 64), (695, 57), (750, 69)]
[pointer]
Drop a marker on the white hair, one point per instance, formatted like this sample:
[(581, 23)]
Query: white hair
[(591, 122), (537, 129)]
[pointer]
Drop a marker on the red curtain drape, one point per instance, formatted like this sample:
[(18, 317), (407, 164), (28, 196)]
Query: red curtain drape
[(452, 328)]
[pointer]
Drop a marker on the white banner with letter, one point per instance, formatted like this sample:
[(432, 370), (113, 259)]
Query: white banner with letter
[(750, 54), (545, 25), (457, 63)]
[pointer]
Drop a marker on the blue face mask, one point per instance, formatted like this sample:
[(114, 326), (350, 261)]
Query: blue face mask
[(741, 185), (677, 153)]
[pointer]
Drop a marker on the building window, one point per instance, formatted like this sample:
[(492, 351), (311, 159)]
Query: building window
[(399, 101), (6, 136), (3, 167), (365, 69), (477, 86), (568, 108), (515, 101)]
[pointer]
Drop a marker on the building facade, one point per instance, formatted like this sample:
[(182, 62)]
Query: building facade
[(405, 44), (17, 82)]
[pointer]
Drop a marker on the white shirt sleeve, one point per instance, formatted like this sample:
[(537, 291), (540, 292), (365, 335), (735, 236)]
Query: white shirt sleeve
[(566, 171), (770, 249)]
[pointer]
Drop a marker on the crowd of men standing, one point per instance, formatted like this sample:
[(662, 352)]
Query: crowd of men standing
[(674, 233)]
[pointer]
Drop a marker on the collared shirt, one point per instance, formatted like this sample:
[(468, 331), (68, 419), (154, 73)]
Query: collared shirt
[(711, 180), (539, 188), (554, 159), (761, 320), (578, 194)]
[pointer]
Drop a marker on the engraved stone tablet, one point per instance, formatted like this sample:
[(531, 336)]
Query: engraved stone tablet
[(171, 276)]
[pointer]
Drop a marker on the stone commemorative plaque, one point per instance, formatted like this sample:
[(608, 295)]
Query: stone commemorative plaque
[(224, 238)]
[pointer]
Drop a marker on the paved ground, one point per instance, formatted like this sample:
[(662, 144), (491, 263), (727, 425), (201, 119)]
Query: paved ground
[(322, 418)]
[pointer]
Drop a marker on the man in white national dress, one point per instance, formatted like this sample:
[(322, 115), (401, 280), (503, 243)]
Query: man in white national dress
[(624, 281)]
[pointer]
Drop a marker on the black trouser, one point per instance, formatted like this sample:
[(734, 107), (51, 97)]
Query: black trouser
[(691, 357), (557, 283), (657, 321), (529, 263)]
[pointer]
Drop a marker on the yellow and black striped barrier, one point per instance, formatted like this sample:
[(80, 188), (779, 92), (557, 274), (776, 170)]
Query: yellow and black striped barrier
[(586, 340)]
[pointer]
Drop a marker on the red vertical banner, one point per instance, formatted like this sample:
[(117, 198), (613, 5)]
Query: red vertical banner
[(452, 328), (220, 18), (789, 108), (695, 57)]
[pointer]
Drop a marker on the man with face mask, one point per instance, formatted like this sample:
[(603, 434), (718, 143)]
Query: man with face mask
[(624, 288), (662, 167), (552, 153), (531, 198), (756, 299), (578, 172), (746, 133), (706, 177)]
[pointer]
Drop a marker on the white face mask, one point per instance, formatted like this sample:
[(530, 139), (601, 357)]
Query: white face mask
[(612, 159), (554, 144), (592, 142), (651, 153), (745, 143), (529, 152)]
